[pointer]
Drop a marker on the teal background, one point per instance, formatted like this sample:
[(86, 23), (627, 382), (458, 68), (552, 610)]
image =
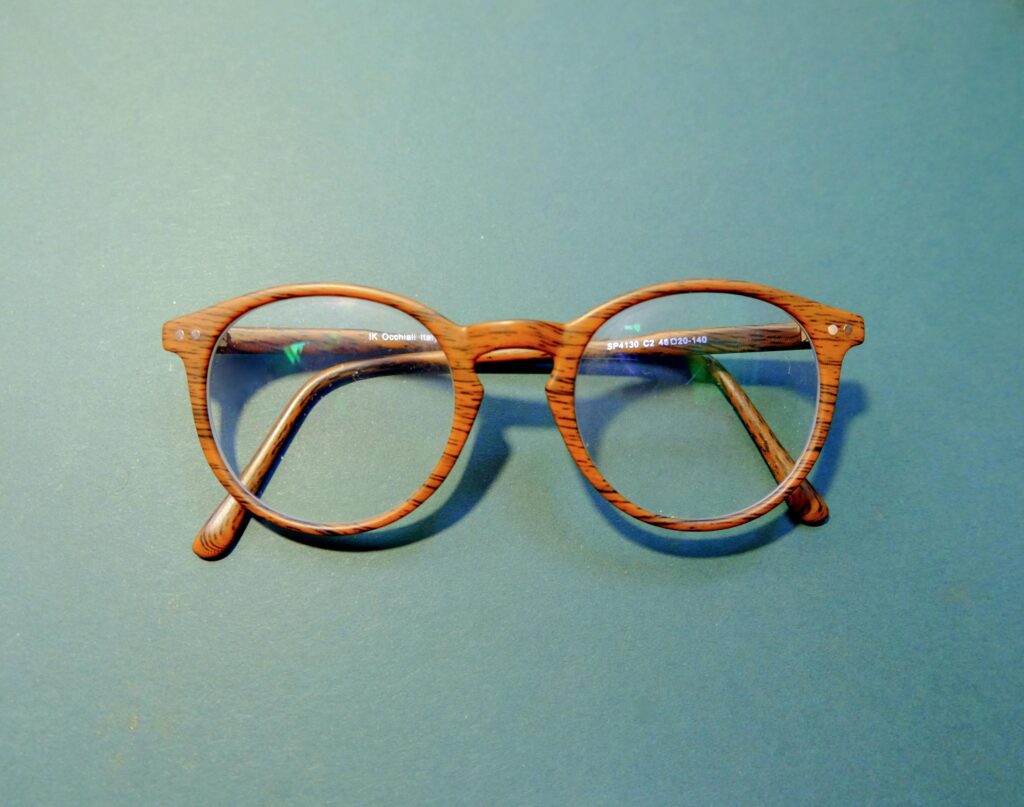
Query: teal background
[(512, 160)]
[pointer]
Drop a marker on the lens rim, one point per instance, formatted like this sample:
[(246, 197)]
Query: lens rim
[(236, 474), (206, 327), (830, 331), (602, 482)]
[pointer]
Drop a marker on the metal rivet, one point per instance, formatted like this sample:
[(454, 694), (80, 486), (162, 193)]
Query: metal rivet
[(179, 335), (195, 333), (833, 329), (847, 329)]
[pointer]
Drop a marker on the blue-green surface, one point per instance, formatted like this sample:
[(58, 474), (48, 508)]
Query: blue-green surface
[(512, 160)]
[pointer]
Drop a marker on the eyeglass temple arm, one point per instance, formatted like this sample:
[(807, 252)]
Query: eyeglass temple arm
[(294, 342), (216, 537), (805, 503), (221, 530)]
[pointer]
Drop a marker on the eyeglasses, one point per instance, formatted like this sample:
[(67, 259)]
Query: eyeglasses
[(683, 404)]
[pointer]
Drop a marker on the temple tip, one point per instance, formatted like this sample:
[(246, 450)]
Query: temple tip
[(221, 532), (807, 506)]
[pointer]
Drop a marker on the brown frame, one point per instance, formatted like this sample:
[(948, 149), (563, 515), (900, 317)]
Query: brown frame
[(829, 332)]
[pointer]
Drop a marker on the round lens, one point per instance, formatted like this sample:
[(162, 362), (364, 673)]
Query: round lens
[(685, 402), (347, 403)]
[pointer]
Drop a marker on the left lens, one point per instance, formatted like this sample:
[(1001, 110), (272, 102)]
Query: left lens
[(365, 392), (659, 394)]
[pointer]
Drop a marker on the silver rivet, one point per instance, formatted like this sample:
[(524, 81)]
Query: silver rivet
[(195, 333), (179, 335), (833, 329), (847, 329)]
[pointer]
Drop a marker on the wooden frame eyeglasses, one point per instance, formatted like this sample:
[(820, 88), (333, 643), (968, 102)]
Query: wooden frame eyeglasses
[(557, 348)]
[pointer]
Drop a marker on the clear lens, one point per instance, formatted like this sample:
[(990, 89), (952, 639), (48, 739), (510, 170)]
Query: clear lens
[(360, 394), (657, 394)]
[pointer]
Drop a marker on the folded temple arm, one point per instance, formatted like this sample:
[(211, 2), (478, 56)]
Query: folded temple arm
[(662, 344), (400, 353)]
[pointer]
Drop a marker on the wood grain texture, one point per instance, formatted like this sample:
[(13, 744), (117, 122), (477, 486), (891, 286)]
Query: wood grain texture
[(828, 331)]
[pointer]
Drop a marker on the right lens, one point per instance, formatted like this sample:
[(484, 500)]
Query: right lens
[(661, 394), (359, 393)]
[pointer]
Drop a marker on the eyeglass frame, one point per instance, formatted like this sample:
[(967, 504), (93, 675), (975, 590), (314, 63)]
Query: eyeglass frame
[(831, 332)]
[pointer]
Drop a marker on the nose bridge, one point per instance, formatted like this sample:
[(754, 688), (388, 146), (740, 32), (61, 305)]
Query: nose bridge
[(508, 334)]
